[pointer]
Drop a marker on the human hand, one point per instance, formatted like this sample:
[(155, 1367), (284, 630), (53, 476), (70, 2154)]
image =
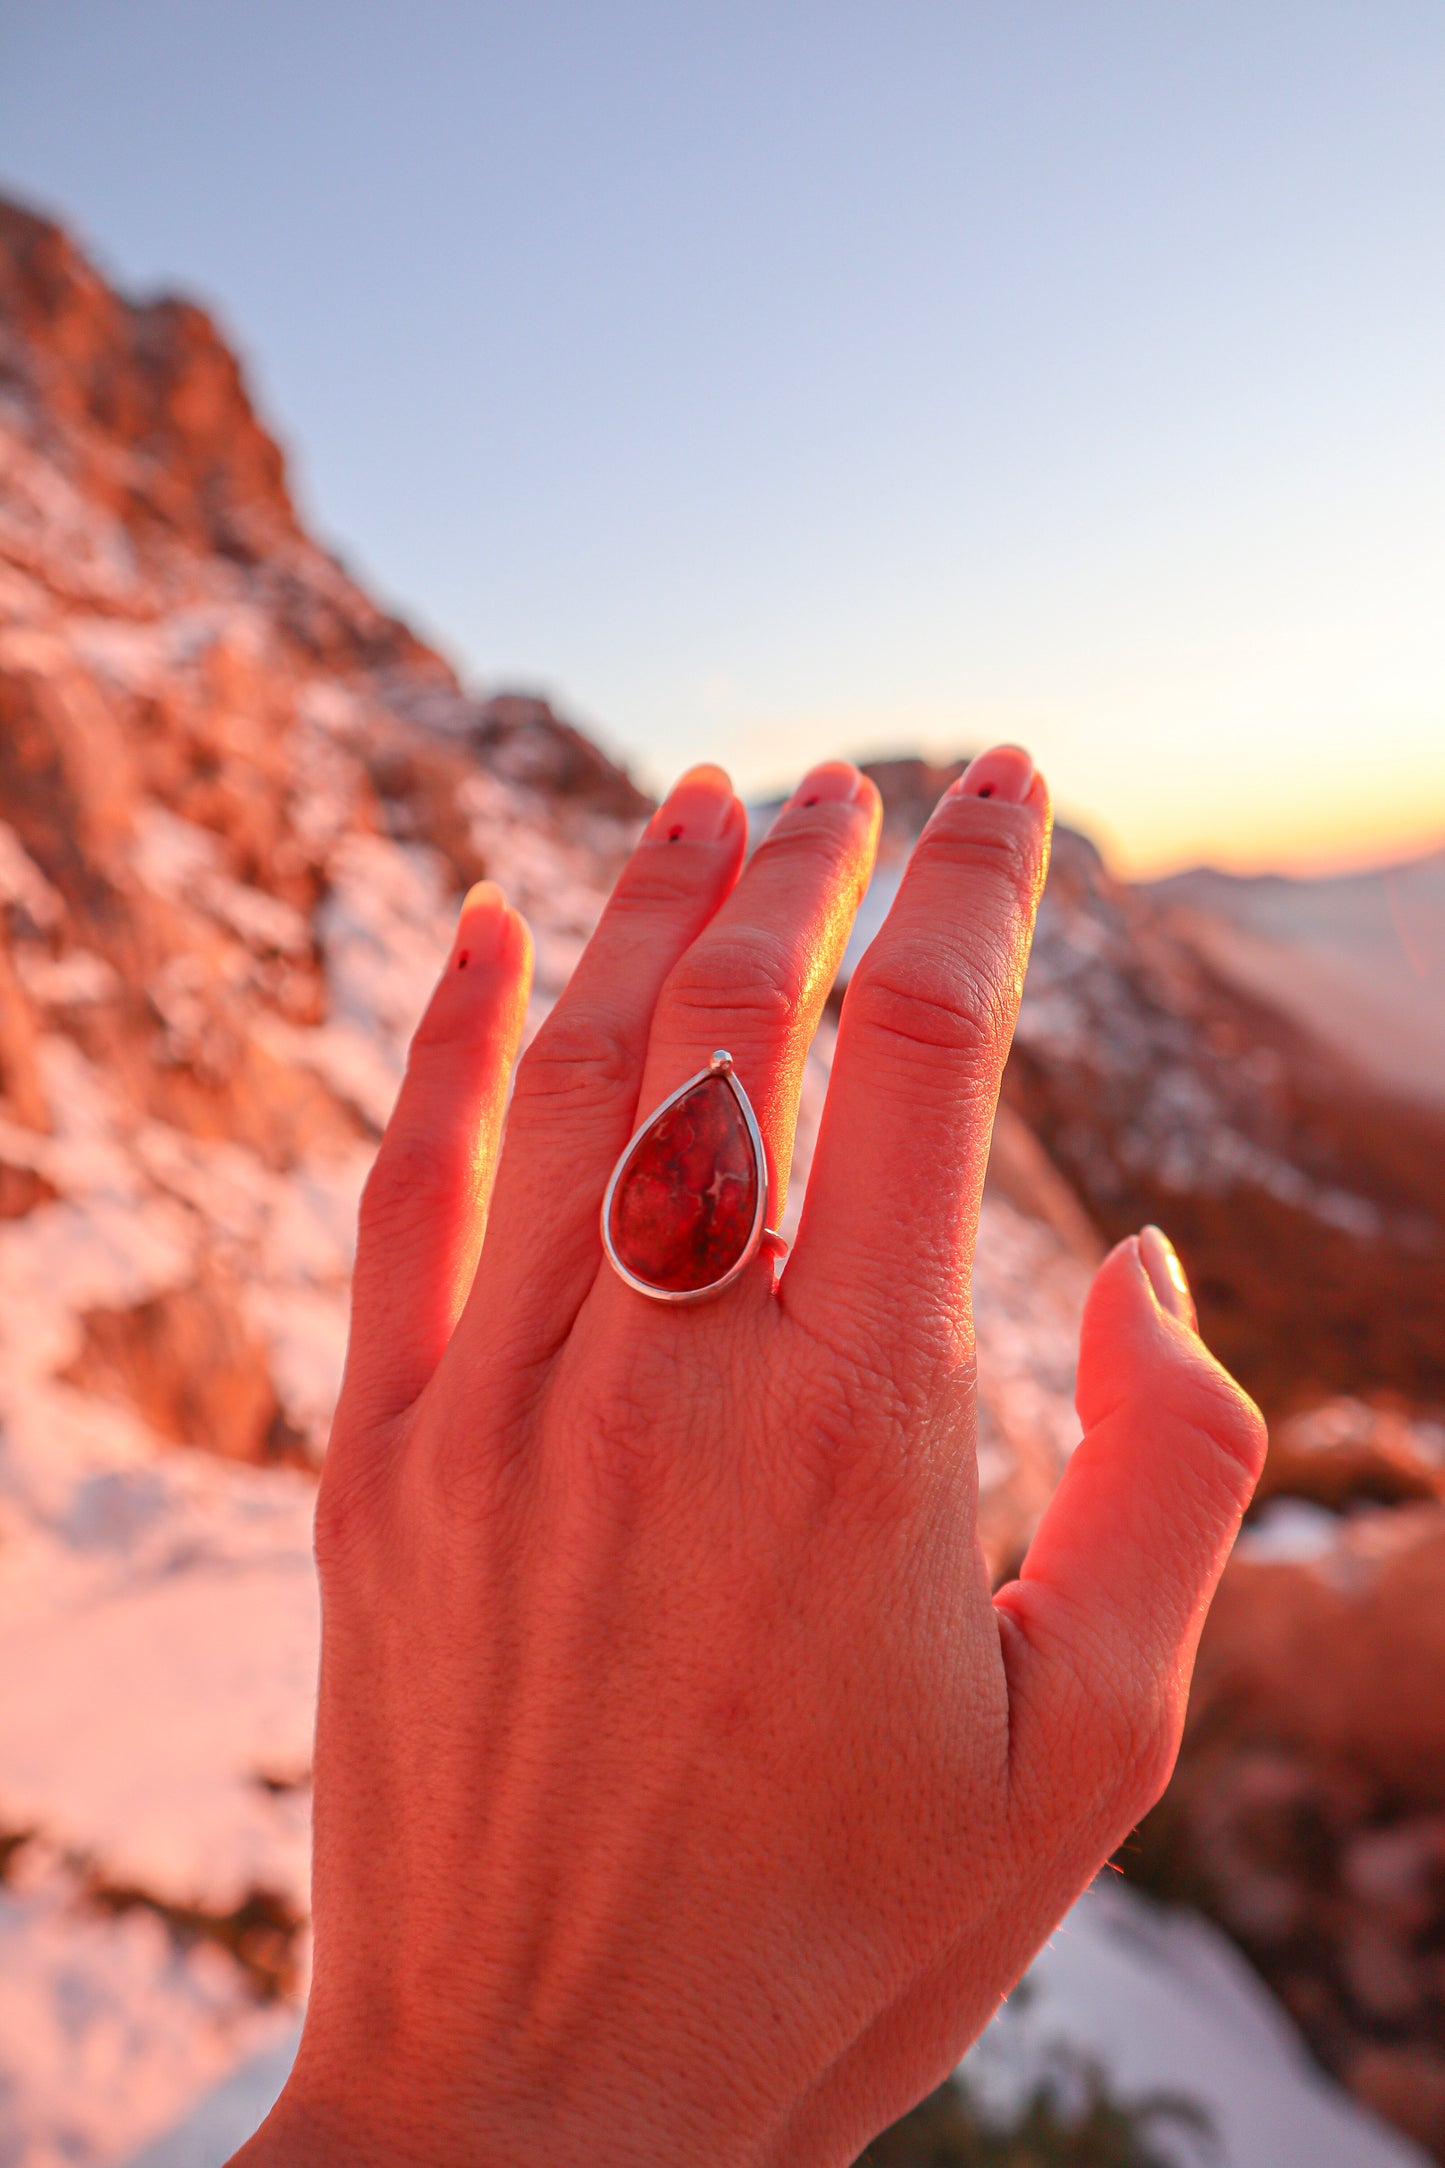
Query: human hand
[(682, 1793)]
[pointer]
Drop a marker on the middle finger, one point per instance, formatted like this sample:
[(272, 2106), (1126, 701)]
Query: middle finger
[(755, 980)]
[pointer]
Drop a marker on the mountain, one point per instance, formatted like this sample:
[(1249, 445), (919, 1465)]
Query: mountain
[(238, 804), (1357, 959)]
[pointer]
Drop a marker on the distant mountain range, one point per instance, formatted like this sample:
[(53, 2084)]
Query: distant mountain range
[(1356, 959)]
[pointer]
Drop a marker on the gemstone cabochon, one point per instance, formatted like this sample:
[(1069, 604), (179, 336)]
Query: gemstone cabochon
[(686, 1198)]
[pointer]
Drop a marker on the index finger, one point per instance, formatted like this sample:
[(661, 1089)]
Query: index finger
[(885, 1246)]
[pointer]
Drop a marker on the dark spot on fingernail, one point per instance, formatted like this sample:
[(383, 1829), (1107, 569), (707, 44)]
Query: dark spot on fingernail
[(986, 791), (463, 959), (810, 801), (674, 835)]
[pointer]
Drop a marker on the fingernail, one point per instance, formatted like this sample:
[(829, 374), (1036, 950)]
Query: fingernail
[(1166, 1275), (835, 782), (482, 926), (1005, 772), (698, 808)]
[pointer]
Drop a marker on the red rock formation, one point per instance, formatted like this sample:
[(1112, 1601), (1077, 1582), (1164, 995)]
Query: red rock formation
[(187, 1361), (1349, 1453), (1307, 1813), (201, 714)]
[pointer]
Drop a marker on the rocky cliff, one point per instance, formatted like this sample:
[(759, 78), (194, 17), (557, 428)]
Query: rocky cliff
[(238, 802), (1307, 1814)]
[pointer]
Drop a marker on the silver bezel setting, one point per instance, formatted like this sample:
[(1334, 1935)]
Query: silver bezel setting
[(720, 1064)]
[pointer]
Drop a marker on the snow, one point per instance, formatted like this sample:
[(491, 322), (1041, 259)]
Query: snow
[(181, 861), (1164, 2003), (1289, 1531), (67, 981), (384, 930), (143, 1721), (107, 2029)]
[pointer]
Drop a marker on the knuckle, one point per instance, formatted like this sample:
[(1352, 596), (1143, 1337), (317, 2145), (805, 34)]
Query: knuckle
[(1147, 1740), (450, 1021), (1126, 1738), (856, 1448), (1132, 1718), (412, 1176), (1229, 1427), (915, 993), (346, 1512), (1000, 853), (809, 842), (1238, 1430), (1112, 1735), (574, 1055), (858, 1430), (655, 883), (751, 976), (619, 1445), (457, 1479)]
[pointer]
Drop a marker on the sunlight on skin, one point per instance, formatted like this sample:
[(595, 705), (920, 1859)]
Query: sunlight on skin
[(681, 1790)]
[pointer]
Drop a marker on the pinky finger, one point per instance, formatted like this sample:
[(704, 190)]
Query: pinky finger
[(424, 1208)]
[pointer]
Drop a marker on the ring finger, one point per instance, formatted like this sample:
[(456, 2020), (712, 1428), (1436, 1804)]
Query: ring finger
[(755, 980)]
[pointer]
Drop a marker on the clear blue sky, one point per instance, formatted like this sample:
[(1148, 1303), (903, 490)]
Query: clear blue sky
[(771, 380)]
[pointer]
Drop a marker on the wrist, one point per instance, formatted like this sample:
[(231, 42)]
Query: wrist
[(425, 2120)]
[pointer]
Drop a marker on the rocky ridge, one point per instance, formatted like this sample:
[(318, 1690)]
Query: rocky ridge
[(238, 803)]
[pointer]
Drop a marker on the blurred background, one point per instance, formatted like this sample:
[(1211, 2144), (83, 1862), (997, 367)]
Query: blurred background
[(422, 433)]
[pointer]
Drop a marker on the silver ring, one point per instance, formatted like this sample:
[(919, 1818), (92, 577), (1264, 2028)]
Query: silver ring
[(687, 1236)]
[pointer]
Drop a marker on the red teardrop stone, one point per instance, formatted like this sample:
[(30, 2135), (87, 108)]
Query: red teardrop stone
[(685, 1201)]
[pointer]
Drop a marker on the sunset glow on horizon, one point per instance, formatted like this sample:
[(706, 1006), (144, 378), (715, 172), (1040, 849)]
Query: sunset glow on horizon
[(1146, 827), (769, 384), (1304, 801)]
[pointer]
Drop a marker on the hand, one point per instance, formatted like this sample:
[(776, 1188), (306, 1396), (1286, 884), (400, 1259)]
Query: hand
[(682, 1793)]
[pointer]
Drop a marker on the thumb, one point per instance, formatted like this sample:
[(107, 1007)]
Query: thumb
[(1099, 1631)]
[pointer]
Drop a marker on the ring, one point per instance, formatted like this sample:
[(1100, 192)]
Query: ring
[(686, 1207)]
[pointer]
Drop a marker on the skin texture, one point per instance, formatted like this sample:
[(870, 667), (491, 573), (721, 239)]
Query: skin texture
[(682, 1792)]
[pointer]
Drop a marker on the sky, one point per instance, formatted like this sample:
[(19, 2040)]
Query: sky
[(765, 382)]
